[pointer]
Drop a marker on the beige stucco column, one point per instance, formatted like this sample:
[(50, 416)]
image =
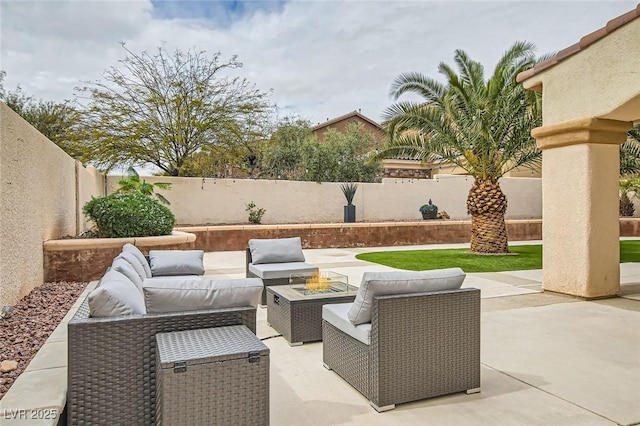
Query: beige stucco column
[(580, 229)]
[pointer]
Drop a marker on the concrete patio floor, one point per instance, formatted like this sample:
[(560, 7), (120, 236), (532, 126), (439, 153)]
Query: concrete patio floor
[(546, 358)]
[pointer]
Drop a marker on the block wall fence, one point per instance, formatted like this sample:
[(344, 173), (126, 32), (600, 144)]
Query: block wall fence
[(208, 201), (41, 198), (43, 192)]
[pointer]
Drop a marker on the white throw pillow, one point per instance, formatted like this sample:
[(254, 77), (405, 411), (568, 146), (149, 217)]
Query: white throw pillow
[(191, 295), (125, 268), (176, 262), (279, 250), (115, 296), (400, 282), (140, 256)]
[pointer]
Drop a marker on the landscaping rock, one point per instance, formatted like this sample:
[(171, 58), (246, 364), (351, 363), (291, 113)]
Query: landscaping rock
[(32, 321), (8, 365)]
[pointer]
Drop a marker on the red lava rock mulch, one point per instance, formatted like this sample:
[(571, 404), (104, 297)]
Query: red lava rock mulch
[(33, 319)]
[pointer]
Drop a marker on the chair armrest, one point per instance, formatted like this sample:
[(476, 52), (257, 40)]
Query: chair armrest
[(248, 259)]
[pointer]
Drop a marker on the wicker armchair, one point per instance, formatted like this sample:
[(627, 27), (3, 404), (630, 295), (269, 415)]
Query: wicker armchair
[(421, 345), (111, 361), (282, 277)]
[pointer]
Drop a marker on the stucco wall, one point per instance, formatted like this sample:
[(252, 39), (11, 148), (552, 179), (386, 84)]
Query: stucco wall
[(37, 202), (90, 184), (600, 81), (197, 201)]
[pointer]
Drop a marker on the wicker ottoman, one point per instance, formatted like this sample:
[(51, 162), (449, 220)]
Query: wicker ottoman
[(212, 376)]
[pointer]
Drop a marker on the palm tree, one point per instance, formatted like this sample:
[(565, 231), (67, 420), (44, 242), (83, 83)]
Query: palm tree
[(630, 153), (628, 191), (133, 184), (482, 126)]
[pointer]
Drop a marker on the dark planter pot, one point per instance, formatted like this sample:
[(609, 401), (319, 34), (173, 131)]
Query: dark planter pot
[(349, 213), (430, 215)]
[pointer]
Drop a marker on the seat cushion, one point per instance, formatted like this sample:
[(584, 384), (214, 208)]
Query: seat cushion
[(281, 270), (336, 315), (400, 282), (140, 256), (176, 262), (189, 295), (115, 296), (125, 268), (172, 278), (278, 250)]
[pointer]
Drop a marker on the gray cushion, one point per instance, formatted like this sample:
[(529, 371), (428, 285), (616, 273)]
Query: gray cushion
[(281, 270), (140, 256), (172, 278), (125, 268), (115, 296), (188, 295), (399, 282), (336, 315), (279, 250), (176, 262), (134, 262)]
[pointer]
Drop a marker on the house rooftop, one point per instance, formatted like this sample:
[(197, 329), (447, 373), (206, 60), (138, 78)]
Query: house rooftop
[(345, 117), (584, 42)]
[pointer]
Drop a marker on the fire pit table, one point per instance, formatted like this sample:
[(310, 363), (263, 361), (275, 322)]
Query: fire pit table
[(295, 310)]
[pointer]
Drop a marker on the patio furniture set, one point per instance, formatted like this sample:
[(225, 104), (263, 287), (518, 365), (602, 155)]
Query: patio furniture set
[(155, 343)]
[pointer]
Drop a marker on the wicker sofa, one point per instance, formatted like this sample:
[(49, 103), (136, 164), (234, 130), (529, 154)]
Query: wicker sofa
[(417, 345), (111, 361), (111, 338)]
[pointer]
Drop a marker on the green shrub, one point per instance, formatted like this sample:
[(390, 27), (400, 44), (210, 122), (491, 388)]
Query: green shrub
[(255, 214), (129, 215)]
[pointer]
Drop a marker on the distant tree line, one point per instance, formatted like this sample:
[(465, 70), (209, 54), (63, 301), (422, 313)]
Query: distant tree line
[(186, 114)]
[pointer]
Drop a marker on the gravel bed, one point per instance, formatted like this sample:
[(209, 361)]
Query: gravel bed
[(33, 319)]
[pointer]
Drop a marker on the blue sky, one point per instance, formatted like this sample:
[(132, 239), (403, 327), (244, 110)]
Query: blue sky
[(219, 13), (317, 59)]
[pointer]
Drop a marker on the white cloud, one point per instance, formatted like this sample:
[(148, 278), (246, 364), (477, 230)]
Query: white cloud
[(322, 59)]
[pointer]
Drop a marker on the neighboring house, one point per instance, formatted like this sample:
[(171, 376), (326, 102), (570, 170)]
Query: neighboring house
[(401, 168), (405, 168), (340, 124)]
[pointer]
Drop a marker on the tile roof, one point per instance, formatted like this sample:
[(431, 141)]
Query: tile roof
[(344, 117), (585, 41)]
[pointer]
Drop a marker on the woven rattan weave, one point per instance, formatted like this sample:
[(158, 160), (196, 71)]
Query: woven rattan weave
[(299, 318), (212, 376), (112, 361), (422, 345)]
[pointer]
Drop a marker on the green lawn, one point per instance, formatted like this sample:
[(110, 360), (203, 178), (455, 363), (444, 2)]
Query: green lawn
[(527, 257)]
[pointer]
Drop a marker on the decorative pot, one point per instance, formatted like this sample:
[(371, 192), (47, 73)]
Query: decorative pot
[(430, 215), (349, 213)]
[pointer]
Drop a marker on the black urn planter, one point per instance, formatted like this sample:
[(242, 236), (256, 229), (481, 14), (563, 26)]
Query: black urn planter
[(430, 215), (349, 213)]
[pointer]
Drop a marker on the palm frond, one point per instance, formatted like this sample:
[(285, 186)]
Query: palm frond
[(417, 83), (481, 126), (630, 154)]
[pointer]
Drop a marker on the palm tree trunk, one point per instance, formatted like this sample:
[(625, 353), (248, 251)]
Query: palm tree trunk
[(487, 205), (627, 208)]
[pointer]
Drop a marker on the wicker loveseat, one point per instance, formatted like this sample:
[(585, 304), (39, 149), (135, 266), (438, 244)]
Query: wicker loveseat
[(417, 344)]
